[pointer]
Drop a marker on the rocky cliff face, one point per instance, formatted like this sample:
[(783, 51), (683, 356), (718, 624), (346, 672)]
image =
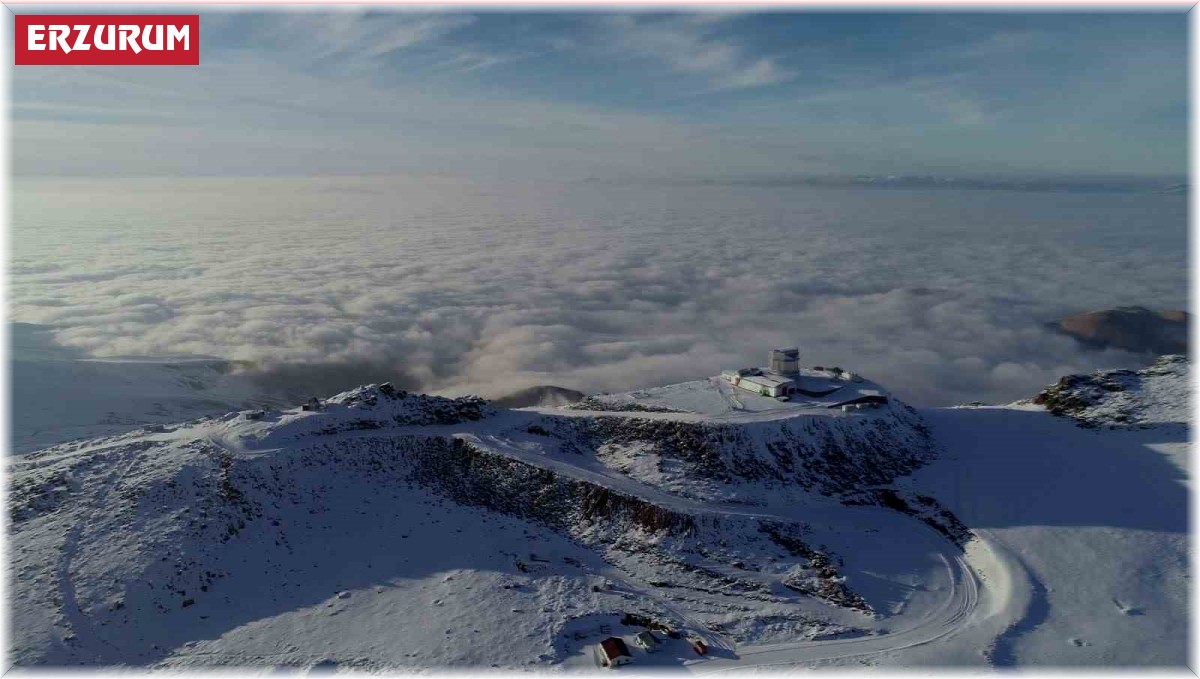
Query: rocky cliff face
[(687, 550), (826, 455)]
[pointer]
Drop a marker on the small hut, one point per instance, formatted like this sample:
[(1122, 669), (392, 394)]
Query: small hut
[(614, 652), (646, 640), (311, 405)]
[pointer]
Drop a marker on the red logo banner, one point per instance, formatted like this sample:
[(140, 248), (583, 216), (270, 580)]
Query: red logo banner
[(107, 40)]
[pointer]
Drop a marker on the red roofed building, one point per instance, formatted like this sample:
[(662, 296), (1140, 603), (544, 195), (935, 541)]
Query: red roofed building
[(614, 652)]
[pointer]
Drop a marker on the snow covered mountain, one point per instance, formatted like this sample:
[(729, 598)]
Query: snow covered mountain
[(59, 395), (391, 530)]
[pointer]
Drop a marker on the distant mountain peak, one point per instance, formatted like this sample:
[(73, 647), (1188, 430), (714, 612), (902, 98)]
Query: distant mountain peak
[(1132, 328), (547, 395)]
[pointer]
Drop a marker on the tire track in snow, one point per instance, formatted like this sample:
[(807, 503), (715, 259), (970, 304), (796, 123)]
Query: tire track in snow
[(961, 601), (957, 610), (86, 638)]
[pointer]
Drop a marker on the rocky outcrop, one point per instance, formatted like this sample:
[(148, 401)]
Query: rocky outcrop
[(820, 577), (924, 508), (831, 456), (1123, 398), (394, 406), (380, 407), (469, 475), (600, 405)]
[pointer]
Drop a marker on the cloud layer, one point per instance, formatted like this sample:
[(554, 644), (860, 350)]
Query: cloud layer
[(452, 286)]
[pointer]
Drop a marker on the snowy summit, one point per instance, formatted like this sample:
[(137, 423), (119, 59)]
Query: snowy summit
[(703, 525)]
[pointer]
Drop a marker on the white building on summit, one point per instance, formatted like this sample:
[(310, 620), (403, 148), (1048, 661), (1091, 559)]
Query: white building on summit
[(785, 362), (780, 379)]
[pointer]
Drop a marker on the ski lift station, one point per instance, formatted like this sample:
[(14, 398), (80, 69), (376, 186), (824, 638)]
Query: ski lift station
[(782, 377)]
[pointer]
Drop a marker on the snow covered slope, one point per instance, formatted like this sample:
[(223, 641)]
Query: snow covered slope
[(59, 396), (394, 530), (1093, 517)]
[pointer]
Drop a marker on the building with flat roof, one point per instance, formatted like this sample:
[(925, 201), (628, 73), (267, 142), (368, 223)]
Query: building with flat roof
[(780, 379), (760, 382)]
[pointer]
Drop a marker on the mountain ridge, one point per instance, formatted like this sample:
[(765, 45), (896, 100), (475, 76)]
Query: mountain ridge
[(734, 518)]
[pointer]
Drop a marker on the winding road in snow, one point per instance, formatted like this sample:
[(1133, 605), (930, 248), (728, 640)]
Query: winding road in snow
[(958, 577), (961, 582)]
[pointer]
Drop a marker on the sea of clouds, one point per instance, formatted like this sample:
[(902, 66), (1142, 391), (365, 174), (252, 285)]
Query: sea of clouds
[(451, 286)]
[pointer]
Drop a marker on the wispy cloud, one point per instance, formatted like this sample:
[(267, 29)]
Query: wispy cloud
[(359, 35), (690, 45), (713, 94), (945, 98), (470, 60), (1000, 43), (907, 102)]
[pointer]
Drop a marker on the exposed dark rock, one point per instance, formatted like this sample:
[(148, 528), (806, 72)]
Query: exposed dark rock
[(921, 507), (1112, 398), (1131, 328), (377, 407), (832, 456), (829, 585), (599, 405)]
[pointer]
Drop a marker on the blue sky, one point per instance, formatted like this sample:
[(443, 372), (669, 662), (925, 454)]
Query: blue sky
[(642, 95)]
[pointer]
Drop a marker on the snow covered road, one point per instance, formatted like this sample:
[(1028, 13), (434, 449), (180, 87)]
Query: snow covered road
[(952, 590), (947, 602)]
